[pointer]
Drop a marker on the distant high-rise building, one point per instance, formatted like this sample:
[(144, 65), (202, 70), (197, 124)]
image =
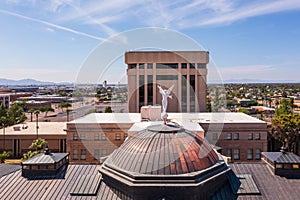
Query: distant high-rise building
[(104, 84), (186, 70)]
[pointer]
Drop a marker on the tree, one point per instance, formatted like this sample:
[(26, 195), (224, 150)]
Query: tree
[(31, 112), (4, 155), (37, 112), (284, 108), (244, 110), (286, 128), (15, 115), (65, 105), (108, 109), (68, 114), (46, 109), (39, 144)]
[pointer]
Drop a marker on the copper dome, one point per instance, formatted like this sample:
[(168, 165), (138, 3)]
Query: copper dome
[(163, 150)]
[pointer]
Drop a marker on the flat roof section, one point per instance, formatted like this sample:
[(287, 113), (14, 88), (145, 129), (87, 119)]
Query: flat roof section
[(109, 118), (178, 117), (45, 128)]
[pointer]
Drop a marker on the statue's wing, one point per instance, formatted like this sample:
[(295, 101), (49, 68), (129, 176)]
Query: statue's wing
[(160, 89), (170, 89)]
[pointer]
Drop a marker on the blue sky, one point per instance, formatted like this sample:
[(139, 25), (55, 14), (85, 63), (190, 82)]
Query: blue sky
[(50, 40)]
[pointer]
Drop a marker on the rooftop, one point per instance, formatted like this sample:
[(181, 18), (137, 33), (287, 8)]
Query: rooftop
[(43, 158), (279, 157), (109, 118), (45, 128), (163, 150), (14, 186), (179, 117)]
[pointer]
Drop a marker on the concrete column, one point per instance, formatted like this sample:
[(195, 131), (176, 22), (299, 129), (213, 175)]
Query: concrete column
[(179, 87), (188, 88), (154, 83), (196, 90), (145, 85), (137, 88)]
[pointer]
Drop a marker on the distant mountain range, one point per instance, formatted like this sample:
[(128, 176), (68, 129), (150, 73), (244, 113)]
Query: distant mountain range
[(239, 81), (32, 82), (259, 81), (25, 82)]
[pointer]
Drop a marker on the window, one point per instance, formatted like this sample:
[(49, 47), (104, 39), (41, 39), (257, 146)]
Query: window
[(75, 136), (166, 77), (103, 136), (257, 154), (295, 166), (96, 136), (215, 136), (83, 154), (141, 66), (82, 136), (250, 136), (192, 93), (279, 166), (236, 154), (75, 154), (104, 152), (149, 65), (250, 154), (132, 66), (192, 66), (117, 136), (183, 65), (166, 66), (228, 152), (286, 166), (96, 154), (228, 136), (200, 65), (236, 136), (257, 136)]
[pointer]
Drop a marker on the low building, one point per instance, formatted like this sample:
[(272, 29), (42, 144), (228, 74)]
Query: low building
[(283, 163), (97, 135), (18, 138), (240, 136)]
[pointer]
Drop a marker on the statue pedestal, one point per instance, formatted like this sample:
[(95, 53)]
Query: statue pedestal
[(164, 117)]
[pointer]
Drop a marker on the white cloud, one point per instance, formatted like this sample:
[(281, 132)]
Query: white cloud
[(51, 25), (174, 14)]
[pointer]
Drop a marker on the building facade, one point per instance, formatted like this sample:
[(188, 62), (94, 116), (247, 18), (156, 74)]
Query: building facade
[(17, 139), (97, 135), (185, 70)]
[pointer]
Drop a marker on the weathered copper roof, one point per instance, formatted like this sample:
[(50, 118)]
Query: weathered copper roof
[(163, 150)]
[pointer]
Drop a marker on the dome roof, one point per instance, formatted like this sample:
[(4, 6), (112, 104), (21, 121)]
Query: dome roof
[(162, 150)]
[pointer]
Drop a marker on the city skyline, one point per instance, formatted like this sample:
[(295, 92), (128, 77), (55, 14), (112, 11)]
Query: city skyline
[(50, 41)]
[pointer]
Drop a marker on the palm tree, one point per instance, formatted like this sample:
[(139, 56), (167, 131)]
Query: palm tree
[(37, 112), (68, 112), (38, 144), (31, 112), (65, 105)]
